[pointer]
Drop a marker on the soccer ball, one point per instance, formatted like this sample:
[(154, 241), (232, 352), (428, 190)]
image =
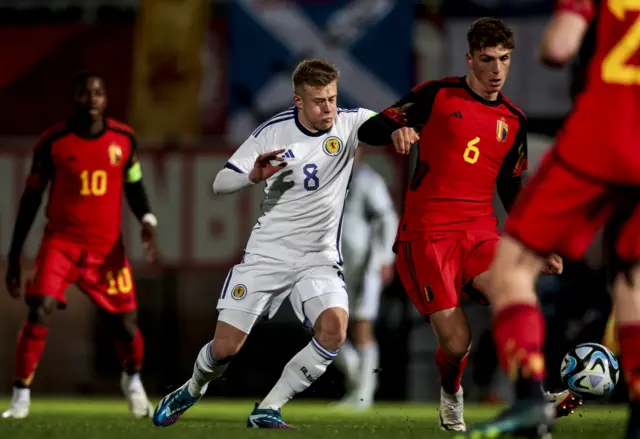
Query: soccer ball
[(590, 371)]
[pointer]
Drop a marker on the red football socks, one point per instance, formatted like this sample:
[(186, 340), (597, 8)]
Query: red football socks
[(519, 332), (29, 350), (131, 354), (629, 342), (450, 370)]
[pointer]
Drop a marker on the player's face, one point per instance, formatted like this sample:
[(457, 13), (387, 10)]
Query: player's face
[(318, 105), (91, 98), (490, 66)]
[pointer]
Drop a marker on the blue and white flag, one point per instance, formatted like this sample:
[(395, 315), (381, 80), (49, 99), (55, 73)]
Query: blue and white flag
[(370, 41)]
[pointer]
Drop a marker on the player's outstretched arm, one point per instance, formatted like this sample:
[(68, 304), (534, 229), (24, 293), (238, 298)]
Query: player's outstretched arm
[(231, 178), (398, 123), (563, 35)]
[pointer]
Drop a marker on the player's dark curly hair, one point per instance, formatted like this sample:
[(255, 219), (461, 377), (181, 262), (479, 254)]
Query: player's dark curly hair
[(80, 78), (489, 32), (314, 72)]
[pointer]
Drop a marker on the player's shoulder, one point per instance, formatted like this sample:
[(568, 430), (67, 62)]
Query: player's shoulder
[(355, 115), (512, 107), (277, 124), (437, 84), (120, 127), (54, 132)]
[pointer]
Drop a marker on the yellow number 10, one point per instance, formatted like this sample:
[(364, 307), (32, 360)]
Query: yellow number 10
[(94, 183), (472, 152), (120, 283)]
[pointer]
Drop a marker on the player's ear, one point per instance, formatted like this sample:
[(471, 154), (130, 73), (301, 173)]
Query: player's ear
[(297, 101), (469, 59)]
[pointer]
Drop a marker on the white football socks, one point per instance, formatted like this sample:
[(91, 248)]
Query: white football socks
[(205, 370), (368, 374), (303, 369), (348, 362)]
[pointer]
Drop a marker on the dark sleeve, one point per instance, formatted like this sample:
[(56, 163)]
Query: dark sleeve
[(134, 189), (39, 176), (413, 111), (514, 164)]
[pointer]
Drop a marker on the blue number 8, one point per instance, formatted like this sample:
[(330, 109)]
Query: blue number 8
[(311, 181)]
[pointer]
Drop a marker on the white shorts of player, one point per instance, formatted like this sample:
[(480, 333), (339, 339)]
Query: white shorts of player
[(259, 285), (365, 287)]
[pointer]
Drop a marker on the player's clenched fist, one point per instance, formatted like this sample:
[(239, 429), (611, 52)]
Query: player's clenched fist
[(403, 138), (263, 168), (554, 265)]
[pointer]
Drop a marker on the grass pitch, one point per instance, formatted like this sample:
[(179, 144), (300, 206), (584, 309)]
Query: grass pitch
[(109, 419)]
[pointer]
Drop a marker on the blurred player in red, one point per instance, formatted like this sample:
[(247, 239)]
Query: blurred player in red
[(472, 139), (589, 179), (86, 162)]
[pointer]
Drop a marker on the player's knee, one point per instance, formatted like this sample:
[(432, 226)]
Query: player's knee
[(225, 348), (452, 332), (40, 307), (125, 326), (228, 340), (331, 328)]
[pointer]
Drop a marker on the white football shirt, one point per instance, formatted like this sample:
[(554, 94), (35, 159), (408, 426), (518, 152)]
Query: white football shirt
[(304, 202), (370, 221)]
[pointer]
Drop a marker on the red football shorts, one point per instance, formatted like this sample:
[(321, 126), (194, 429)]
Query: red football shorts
[(434, 271), (105, 276), (561, 209)]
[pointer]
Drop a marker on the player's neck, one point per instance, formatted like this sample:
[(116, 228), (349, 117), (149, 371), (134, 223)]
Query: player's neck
[(88, 127), (476, 86), (305, 123)]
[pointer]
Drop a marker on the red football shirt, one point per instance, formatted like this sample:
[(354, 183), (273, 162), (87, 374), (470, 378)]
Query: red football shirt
[(466, 142), (600, 136), (87, 176)]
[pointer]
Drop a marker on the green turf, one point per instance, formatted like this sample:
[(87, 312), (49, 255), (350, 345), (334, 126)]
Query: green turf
[(93, 419)]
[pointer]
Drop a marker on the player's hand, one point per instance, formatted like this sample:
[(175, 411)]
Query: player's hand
[(13, 279), (263, 168), (403, 138), (554, 265), (387, 273), (149, 242)]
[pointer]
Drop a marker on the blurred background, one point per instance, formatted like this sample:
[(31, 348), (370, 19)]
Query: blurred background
[(194, 78)]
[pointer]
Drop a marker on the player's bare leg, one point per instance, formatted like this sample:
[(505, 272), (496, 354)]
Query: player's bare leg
[(330, 331), (29, 350), (518, 328), (130, 349), (213, 360), (453, 335), (626, 290)]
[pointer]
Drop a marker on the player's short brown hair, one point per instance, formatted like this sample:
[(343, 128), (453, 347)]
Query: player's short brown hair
[(314, 72), (489, 32)]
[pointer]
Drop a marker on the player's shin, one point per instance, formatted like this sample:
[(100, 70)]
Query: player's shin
[(131, 352), (29, 350), (206, 369), (299, 373)]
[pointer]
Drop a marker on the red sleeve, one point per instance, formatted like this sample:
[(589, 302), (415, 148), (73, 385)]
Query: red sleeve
[(585, 8), (414, 109)]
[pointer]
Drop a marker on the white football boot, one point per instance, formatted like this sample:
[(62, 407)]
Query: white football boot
[(452, 411), (20, 402), (133, 390)]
